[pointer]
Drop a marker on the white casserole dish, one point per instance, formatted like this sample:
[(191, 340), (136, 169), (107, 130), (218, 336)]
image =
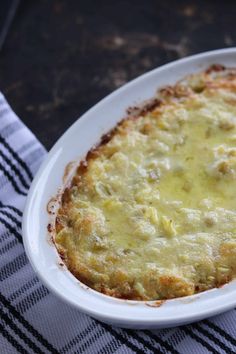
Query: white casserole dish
[(73, 145)]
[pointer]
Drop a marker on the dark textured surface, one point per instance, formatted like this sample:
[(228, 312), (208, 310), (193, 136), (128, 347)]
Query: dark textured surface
[(61, 57)]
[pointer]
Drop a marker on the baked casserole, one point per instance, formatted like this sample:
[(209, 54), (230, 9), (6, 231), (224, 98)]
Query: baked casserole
[(150, 213)]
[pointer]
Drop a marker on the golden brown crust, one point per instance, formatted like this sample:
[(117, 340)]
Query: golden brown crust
[(167, 286)]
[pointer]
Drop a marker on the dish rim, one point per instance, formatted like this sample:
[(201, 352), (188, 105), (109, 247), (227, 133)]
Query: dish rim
[(124, 319)]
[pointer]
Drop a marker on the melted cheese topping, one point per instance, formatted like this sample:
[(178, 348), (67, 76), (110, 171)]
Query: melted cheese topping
[(153, 214)]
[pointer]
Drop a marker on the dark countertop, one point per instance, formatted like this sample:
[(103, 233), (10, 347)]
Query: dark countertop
[(61, 57)]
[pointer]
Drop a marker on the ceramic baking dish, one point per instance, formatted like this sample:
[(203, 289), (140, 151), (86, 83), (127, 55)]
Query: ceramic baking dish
[(48, 183)]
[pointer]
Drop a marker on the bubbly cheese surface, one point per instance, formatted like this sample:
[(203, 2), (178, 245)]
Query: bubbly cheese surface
[(151, 214)]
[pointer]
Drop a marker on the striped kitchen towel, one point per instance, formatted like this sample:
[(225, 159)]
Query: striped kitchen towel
[(33, 320)]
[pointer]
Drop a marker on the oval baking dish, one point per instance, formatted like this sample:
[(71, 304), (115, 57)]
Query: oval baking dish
[(73, 146)]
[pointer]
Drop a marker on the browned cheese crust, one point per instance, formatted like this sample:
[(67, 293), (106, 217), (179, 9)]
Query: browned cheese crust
[(150, 212)]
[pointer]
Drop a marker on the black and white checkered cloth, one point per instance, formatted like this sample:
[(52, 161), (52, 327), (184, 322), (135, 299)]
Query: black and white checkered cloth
[(32, 320)]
